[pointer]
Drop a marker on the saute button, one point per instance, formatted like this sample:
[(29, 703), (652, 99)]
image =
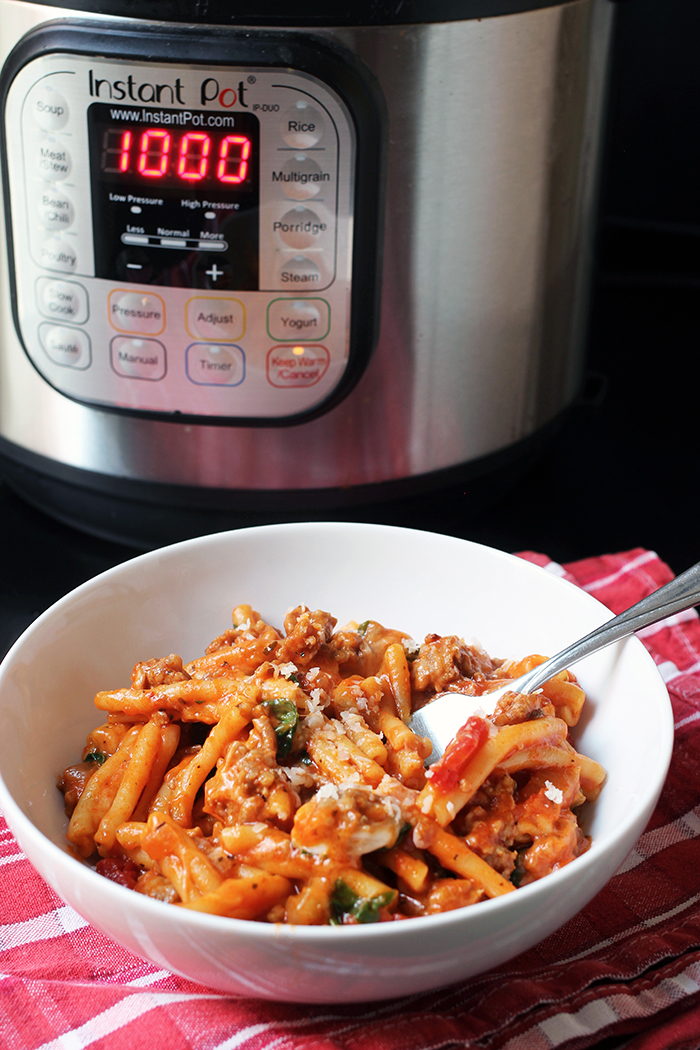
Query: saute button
[(300, 272), (296, 366), (210, 365), (66, 346), (58, 255), (302, 125), (54, 160), (212, 319), (49, 108), (62, 299), (136, 312), (298, 319), (138, 358), (56, 211), (301, 177), (300, 227)]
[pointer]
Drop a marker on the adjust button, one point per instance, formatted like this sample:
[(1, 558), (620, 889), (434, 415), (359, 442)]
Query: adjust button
[(298, 319), (136, 312), (65, 346), (138, 358), (210, 365), (64, 300), (213, 318)]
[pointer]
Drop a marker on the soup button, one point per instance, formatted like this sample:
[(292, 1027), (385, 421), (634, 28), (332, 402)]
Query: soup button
[(296, 365)]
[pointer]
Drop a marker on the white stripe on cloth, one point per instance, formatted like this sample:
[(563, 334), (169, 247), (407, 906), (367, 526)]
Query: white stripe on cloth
[(680, 830), (41, 928), (630, 566), (12, 858)]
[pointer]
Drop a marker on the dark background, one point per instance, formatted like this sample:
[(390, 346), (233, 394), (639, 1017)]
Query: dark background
[(621, 472)]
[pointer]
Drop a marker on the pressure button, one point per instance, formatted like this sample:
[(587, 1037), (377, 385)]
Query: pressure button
[(136, 312)]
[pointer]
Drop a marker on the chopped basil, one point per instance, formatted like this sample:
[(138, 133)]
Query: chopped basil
[(286, 716), (345, 902), (95, 756), (363, 626)]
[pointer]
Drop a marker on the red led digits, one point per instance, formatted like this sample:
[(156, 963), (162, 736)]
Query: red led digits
[(230, 155), (153, 155), (194, 151)]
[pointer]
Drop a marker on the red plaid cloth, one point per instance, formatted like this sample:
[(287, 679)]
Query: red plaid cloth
[(627, 968)]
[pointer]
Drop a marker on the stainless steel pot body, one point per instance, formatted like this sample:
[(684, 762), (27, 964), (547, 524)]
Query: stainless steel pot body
[(493, 131)]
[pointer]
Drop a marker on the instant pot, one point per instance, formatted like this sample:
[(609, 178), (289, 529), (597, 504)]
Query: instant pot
[(267, 257)]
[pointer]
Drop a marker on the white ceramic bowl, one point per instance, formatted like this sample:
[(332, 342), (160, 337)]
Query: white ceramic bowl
[(179, 598)]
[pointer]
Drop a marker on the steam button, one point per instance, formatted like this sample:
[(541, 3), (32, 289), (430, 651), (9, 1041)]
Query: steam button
[(302, 125), (65, 346), (300, 272), (54, 160), (49, 108)]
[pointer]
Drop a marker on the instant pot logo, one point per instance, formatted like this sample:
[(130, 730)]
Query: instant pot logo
[(165, 94)]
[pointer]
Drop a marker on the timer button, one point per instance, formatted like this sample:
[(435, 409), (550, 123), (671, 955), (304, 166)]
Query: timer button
[(136, 312), (49, 108), (54, 160), (300, 272), (62, 299), (301, 177), (65, 346), (300, 227), (213, 319), (210, 365), (298, 319), (138, 358), (58, 255), (302, 125), (56, 211)]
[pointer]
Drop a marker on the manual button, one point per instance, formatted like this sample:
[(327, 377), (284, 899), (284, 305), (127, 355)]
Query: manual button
[(141, 312), (138, 358), (213, 319)]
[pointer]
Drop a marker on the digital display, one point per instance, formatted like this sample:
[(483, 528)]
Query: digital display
[(175, 196)]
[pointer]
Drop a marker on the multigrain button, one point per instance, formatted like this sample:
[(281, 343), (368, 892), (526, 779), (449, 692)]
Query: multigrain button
[(211, 365), (215, 319), (57, 254), (300, 227), (295, 319), (296, 366), (49, 108), (138, 358), (65, 346), (300, 177), (56, 211), (64, 300), (302, 125), (53, 161), (300, 272), (140, 312)]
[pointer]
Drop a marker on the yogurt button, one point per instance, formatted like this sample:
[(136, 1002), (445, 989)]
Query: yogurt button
[(300, 227), (209, 365), (136, 312), (301, 177), (138, 358), (299, 272), (58, 255), (49, 108), (302, 125), (213, 319), (66, 346), (62, 300), (56, 211), (53, 161), (298, 319)]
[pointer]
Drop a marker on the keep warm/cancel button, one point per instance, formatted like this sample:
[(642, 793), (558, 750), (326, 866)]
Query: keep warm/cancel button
[(296, 365)]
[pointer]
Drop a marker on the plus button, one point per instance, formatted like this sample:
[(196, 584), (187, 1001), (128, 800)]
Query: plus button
[(214, 272)]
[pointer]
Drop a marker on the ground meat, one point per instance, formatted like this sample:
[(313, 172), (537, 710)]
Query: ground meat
[(344, 823), (152, 673), (514, 708), (72, 783), (119, 870), (449, 663), (306, 632), (489, 824), (448, 894)]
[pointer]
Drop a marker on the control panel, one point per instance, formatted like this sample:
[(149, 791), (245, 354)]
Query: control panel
[(181, 233)]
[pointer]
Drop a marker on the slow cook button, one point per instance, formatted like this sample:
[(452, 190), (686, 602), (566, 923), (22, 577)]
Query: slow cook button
[(62, 299), (57, 254), (300, 227), (210, 365), (65, 346), (211, 318), (49, 108), (54, 160), (296, 366), (138, 358), (298, 319), (136, 312)]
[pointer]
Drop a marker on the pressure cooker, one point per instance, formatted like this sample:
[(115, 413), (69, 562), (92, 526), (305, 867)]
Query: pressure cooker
[(266, 257)]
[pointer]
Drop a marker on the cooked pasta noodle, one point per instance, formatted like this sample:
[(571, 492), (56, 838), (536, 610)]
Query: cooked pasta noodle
[(276, 778)]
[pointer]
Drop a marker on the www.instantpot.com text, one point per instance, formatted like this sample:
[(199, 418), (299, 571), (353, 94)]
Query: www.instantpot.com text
[(168, 116)]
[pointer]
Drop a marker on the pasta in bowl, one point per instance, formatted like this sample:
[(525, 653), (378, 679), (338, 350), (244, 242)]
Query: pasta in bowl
[(275, 777), (365, 897)]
